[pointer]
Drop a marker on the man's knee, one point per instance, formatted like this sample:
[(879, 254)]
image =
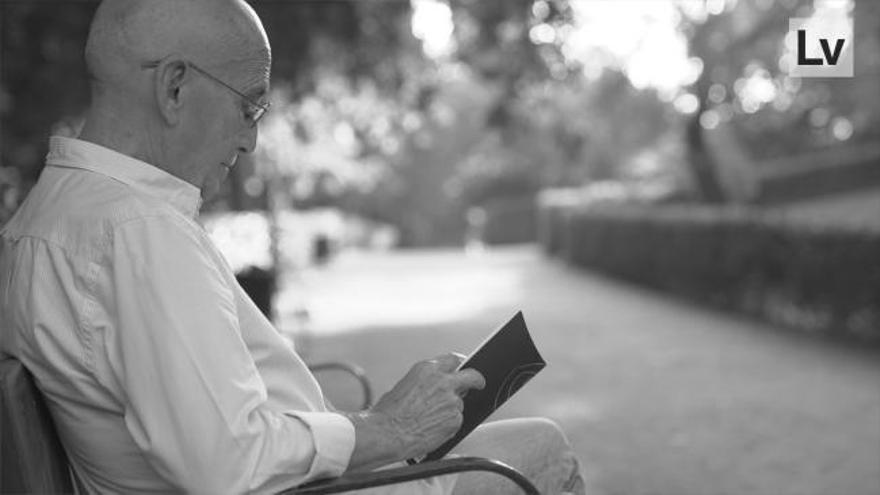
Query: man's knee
[(544, 435), (541, 436), (549, 431), (562, 472), (536, 446)]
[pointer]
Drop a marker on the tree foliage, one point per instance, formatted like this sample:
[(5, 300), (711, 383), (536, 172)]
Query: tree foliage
[(741, 48), (365, 119)]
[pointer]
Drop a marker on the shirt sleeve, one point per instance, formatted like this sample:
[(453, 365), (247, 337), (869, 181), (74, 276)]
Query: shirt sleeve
[(194, 401)]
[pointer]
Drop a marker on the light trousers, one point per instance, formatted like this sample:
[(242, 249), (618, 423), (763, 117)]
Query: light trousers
[(536, 447)]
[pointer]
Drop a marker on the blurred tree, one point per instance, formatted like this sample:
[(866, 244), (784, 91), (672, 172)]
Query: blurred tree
[(744, 83), (358, 39), (368, 120), (513, 43), (423, 118), (568, 133)]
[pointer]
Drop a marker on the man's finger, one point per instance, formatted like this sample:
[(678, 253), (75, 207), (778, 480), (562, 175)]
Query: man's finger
[(448, 362), (468, 379)]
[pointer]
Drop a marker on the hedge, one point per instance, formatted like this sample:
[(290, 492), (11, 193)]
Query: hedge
[(509, 221), (819, 280)]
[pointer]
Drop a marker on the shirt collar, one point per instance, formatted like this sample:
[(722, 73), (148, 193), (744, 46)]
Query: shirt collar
[(149, 179)]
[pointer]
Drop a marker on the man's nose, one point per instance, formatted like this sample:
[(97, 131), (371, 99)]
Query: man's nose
[(247, 139)]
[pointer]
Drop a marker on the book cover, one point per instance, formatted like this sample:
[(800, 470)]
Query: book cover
[(508, 359)]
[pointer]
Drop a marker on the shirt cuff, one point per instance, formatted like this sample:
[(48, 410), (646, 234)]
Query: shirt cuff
[(333, 437)]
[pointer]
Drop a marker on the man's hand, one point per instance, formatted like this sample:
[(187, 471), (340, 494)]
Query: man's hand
[(425, 407), (421, 412)]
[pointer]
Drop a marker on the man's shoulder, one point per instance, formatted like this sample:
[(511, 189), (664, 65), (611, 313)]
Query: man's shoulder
[(81, 213)]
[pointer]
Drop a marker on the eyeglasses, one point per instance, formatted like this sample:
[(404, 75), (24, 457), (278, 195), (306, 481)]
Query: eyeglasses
[(255, 110)]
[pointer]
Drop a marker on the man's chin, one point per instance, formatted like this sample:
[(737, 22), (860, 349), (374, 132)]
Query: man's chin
[(212, 188)]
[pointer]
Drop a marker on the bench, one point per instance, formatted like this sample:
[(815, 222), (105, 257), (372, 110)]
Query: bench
[(32, 459)]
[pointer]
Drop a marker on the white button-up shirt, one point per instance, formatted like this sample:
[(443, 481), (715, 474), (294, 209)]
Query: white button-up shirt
[(159, 371)]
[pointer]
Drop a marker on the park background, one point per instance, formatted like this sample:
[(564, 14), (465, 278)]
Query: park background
[(694, 236)]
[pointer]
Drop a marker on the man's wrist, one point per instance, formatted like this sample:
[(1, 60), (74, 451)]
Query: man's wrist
[(377, 440)]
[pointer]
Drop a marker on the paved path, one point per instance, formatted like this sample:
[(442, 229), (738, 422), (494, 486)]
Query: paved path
[(658, 396)]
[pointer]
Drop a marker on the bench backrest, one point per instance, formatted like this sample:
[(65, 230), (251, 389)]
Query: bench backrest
[(32, 459)]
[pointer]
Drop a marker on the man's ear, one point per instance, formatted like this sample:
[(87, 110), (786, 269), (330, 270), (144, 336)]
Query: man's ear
[(171, 76)]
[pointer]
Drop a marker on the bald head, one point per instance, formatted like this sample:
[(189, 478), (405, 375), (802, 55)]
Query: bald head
[(212, 33), (174, 83)]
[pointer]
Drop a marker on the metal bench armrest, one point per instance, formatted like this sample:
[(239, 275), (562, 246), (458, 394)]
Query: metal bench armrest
[(357, 481), (356, 371)]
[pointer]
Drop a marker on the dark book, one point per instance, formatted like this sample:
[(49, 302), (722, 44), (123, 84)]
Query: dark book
[(507, 359)]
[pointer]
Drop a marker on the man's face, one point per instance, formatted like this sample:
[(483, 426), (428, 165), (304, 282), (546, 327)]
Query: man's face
[(220, 127)]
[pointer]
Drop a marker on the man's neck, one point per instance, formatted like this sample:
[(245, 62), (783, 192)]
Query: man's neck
[(116, 126), (118, 134), (110, 135)]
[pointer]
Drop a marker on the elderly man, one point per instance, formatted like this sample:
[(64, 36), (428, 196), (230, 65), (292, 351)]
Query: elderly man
[(160, 373)]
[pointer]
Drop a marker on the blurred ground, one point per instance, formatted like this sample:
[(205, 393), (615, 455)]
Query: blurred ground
[(659, 397)]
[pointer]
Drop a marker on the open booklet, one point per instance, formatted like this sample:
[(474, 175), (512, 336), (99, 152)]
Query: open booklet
[(507, 359)]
